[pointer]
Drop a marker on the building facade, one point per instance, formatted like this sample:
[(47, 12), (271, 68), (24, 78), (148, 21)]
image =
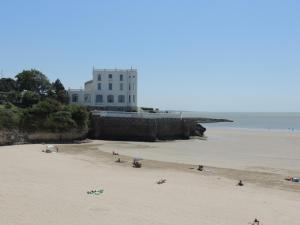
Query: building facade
[(109, 89)]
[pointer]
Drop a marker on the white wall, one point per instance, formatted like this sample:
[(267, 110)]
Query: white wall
[(91, 88)]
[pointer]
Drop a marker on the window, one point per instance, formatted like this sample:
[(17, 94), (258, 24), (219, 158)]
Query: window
[(121, 77), (133, 98), (129, 99), (121, 86), (132, 86), (99, 86), (74, 97), (99, 98), (99, 77), (87, 98), (110, 98), (110, 86), (121, 98), (129, 87), (110, 76)]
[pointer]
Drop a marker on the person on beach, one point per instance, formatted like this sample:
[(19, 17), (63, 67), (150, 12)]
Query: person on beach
[(200, 168), (256, 222), (115, 153), (136, 163), (240, 183)]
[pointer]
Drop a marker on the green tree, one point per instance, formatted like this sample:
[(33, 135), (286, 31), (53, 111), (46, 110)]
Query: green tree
[(58, 92), (14, 97), (29, 98), (8, 85), (33, 80)]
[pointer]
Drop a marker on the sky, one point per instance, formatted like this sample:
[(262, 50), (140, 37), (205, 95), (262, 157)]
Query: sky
[(216, 56)]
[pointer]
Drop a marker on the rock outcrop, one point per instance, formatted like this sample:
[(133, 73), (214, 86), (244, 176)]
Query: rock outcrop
[(9, 137)]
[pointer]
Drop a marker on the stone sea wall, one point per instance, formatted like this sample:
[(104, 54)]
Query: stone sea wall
[(141, 129)]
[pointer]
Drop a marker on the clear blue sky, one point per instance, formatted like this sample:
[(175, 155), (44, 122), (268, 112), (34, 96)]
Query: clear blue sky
[(191, 55)]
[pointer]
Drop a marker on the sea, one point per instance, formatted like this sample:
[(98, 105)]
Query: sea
[(281, 121)]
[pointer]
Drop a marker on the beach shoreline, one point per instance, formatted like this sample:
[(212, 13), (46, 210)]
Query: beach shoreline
[(265, 178), (52, 188)]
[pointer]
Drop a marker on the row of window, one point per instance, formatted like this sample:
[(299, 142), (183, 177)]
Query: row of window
[(99, 98), (111, 98), (110, 86), (121, 77)]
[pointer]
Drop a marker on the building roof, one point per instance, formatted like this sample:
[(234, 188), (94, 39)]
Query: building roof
[(113, 70)]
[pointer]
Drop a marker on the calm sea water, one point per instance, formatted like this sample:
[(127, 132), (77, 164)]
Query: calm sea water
[(273, 121)]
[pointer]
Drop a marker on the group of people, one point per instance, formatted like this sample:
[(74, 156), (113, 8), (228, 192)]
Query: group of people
[(135, 163)]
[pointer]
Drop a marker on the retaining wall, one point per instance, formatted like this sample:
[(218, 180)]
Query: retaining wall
[(143, 129), (8, 137)]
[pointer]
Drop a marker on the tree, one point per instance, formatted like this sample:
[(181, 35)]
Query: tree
[(8, 85), (58, 92), (58, 86), (29, 98), (33, 80)]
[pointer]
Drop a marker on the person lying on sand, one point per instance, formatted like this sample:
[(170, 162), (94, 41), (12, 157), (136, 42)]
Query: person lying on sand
[(293, 179), (161, 181), (95, 192)]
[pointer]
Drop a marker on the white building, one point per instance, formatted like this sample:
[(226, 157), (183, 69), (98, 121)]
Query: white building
[(109, 89)]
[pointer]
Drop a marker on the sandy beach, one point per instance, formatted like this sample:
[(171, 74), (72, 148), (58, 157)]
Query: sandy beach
[(38, 188)]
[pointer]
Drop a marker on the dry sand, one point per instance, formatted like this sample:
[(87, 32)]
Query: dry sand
[(37, 188)]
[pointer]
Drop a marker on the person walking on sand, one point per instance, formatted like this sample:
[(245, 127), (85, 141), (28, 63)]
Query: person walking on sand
[(256, 222)]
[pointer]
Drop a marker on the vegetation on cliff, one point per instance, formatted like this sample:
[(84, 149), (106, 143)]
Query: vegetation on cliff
[(32, 103)]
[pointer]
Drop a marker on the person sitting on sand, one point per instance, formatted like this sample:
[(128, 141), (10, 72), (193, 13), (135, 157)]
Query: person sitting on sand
[(136, 164), (118, 160), (240, 183), (256, 222), (200, 168), (115, 153)]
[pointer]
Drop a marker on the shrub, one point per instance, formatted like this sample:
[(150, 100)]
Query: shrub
[(79, 114), (60, 121), (50, 115), (9, 116), (29, 98), (34, 118)]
